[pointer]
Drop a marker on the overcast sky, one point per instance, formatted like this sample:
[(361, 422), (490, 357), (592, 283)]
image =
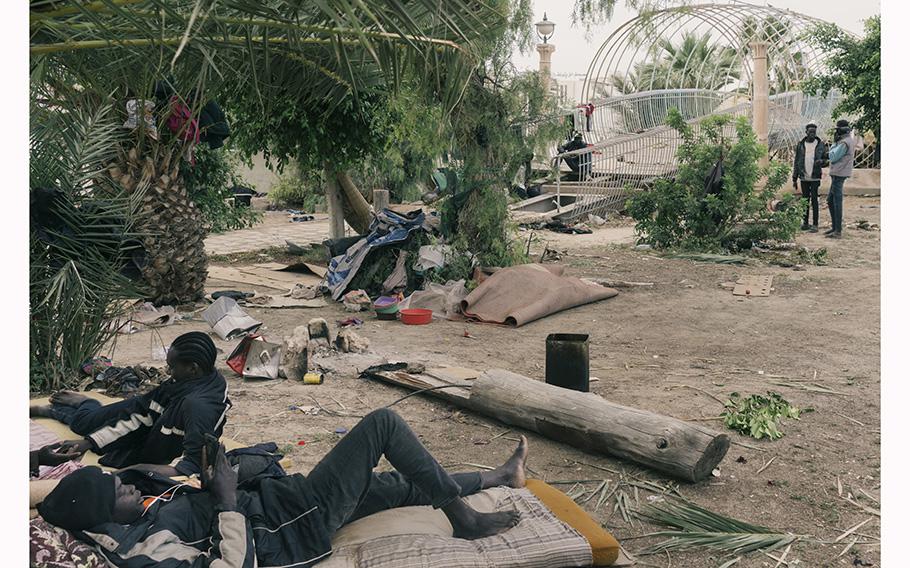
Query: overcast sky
[(574, 51)]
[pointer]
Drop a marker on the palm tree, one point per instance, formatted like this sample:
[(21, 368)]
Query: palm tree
[(693, 62), (118, 50)]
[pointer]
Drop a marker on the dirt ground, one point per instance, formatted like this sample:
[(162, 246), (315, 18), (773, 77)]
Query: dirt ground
[(647, 347)]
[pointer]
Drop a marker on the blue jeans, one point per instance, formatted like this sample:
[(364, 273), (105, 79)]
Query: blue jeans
[(346, 488), (836, 202)]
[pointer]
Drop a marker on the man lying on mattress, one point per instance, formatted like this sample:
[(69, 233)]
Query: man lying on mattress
[(152, 430), (285, 520)]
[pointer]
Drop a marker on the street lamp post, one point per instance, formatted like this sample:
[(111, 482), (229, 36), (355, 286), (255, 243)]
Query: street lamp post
[(545, 31)]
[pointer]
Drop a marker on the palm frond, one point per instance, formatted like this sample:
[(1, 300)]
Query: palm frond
[(700, 528)]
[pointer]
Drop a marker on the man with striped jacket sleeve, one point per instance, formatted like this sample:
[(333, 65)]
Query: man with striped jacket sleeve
[(149, 432)]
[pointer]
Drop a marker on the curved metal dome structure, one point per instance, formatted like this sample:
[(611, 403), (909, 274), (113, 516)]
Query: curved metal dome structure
[(698, 59)]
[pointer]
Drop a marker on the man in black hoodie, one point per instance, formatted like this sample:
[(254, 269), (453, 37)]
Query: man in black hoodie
[(148, 432), (811, 157), (285, 520)]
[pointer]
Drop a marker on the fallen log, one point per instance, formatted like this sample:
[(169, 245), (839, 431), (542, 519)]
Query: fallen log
[(584, 420)]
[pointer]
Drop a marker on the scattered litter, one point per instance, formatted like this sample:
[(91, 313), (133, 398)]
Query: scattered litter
[(232, 294), (228, 320), (596, 220), (256, 358), (313, 378), (147, 316), (302, 218), (123, 381), (94, 365), (865, 225), (753, 286), (304, 292), (301, 443), (356, 301), (341, 430), (311, 410), (444, 300), (356, 322), (643, 246)]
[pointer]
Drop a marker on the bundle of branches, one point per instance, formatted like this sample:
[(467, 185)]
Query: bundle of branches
[(696, 527)]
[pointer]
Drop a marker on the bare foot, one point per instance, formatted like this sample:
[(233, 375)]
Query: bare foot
[(68, 398), (512, 472), (40, 411), (470, 524)]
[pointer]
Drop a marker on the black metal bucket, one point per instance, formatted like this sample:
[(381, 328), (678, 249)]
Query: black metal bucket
[(567, 361)]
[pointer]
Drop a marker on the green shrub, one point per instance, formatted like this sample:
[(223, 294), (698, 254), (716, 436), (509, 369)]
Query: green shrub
[(679, 213), (298, 190), (209, 183)]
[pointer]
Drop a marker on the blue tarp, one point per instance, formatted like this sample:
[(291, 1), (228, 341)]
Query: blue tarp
[(386, 229)]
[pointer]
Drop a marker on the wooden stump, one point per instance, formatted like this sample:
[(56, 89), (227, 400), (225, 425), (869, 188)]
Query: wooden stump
[(380, 200), (334, 200)]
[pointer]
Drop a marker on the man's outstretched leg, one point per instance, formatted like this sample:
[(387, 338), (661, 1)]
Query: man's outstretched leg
[(391, 489), (342, 479)]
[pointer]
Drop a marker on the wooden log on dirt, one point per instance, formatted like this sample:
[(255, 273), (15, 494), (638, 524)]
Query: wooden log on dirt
[(584, 420), (588, 421)]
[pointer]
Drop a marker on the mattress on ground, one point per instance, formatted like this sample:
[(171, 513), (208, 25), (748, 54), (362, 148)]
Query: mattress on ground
[(421, 536)]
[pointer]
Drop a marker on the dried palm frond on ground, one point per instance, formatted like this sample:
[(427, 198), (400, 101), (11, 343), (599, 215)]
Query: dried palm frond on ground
[(697, 527)]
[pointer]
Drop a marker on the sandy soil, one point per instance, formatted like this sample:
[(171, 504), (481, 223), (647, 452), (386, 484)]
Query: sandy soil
[(820, 322)]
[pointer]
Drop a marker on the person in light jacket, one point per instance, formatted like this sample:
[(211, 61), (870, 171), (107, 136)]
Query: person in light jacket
[(841, 155)]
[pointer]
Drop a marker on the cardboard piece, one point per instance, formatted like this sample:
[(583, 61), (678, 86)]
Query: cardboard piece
[(753, 286), (263, 276), (228, 320), (286, 302)]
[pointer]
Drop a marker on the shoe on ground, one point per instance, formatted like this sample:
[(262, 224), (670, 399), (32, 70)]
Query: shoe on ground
[(829, 231), (835, 235), (813, 229), (805, 227)]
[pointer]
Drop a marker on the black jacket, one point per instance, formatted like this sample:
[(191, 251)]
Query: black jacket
[(159, 426), (799, 161), (277, 524)]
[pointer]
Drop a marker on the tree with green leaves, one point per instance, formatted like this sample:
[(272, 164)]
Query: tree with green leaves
[(684, 212), (89, 59), (853, 68)]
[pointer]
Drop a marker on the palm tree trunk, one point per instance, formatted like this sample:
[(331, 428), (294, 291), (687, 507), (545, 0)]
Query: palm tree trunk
[(172, 229)]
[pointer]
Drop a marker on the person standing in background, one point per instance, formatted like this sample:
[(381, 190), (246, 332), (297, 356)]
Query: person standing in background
[(810, 157), (841, 156)]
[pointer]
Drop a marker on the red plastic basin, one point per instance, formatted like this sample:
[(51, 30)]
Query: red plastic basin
[(416, 316)]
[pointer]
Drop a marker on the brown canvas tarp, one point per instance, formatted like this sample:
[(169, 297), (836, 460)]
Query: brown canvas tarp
[(521, 294)]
